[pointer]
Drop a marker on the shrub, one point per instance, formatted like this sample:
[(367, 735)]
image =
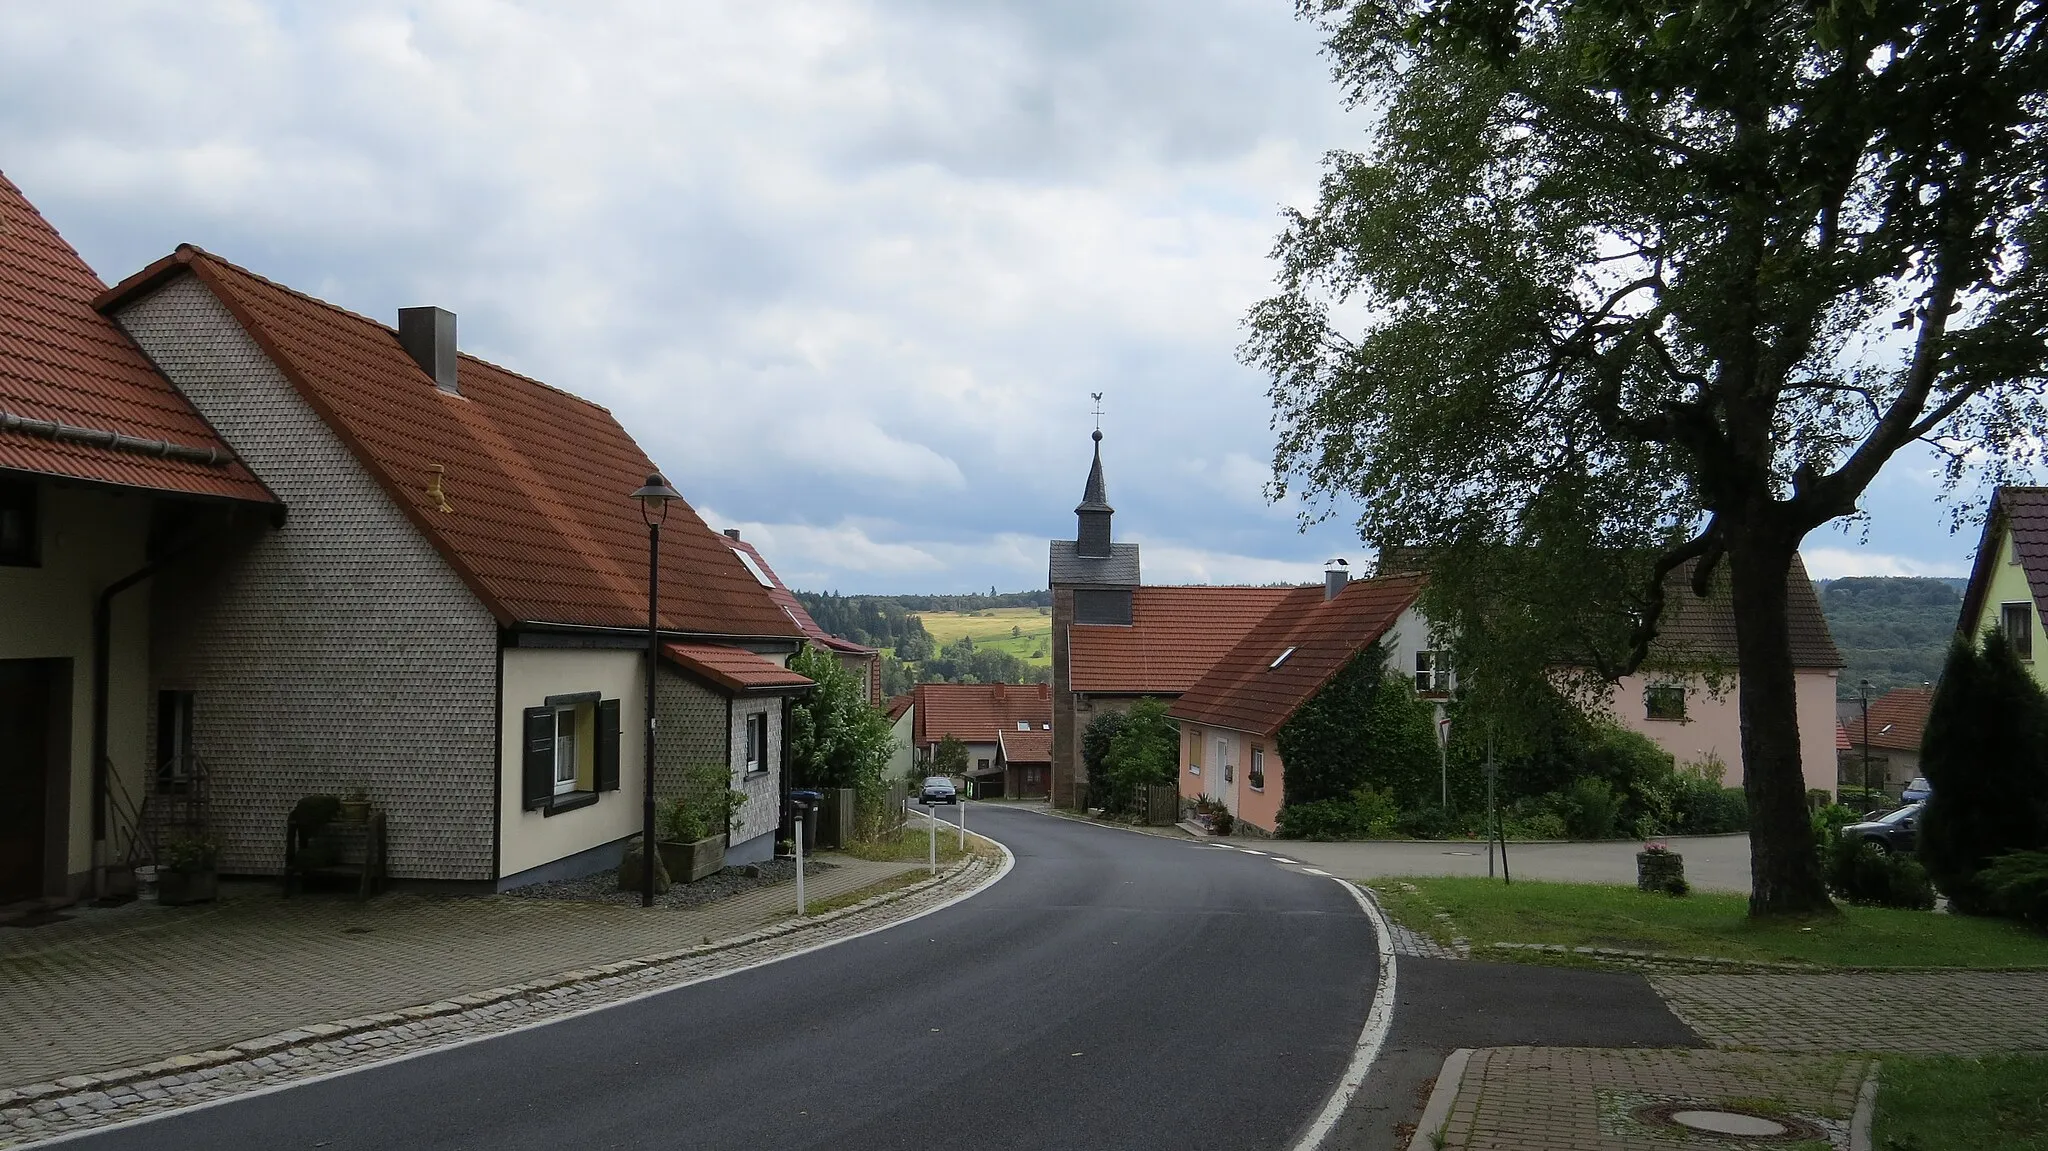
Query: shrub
[(1533, 825), (1858, 872), (1985, 752), (1431, 822), (1703, 807), (1865, 799), (188, 853), (1220, 822), (1365, 726), (1145, 750), (1828, 822), (2017, 884), (1589, 808), (1367, 814)]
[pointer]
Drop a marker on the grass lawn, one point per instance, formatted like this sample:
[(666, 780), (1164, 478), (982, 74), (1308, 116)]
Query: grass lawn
[(913, 845), (1952, 1104), (1704, 923), (991, 628)]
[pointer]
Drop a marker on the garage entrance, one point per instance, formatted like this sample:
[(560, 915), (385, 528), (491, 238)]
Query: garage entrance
[(34, 712)]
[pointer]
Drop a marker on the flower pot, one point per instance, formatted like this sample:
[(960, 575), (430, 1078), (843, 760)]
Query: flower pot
[(177, 888), (1660, 871), (690, 862)]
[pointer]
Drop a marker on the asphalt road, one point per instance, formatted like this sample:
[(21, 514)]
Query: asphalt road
[(1115, 990)]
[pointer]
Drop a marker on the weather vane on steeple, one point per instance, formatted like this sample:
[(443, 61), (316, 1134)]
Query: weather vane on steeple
[(1098, 414)]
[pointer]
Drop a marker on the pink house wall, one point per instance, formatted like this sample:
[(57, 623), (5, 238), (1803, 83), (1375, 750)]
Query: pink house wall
[(1258, 807), (1713, 724)]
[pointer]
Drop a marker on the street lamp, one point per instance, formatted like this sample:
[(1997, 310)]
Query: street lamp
[(654, 497), (1863, 694)]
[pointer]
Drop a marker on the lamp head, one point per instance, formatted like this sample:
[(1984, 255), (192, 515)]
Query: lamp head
[(654, 496)]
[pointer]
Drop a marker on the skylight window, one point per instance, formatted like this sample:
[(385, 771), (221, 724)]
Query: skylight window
[(1023, 725), (1280, 659), (754, 569)]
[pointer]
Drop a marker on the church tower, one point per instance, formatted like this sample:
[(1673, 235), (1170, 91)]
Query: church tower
[(1093, 579)]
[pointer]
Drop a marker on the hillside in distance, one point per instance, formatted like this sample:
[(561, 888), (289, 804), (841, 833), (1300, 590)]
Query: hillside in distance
[(1892, 630)]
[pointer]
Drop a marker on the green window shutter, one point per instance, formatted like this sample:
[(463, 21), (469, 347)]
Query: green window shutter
[(539, 766), (608, 745)]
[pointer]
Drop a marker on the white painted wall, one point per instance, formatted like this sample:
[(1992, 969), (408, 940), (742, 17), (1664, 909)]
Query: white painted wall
[(528, 839)]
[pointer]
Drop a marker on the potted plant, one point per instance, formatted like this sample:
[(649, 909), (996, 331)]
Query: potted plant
[(355, 806), (1660, 869), (695, 824), (186, 872)]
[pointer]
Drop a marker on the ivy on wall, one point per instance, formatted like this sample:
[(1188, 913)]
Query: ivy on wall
[(1366, 727)]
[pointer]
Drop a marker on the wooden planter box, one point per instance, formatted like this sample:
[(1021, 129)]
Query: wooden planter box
[(690, 862), (177, 888)]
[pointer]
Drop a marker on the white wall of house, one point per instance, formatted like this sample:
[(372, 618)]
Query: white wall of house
[(1408, 635), (902, 756), (91, 537), (530, 839), (338, 650)]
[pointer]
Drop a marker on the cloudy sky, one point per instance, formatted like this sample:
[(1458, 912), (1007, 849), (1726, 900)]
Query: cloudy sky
[(849, 270)]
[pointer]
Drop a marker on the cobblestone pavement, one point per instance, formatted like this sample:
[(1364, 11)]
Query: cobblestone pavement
[(1595, 1099), (1946, 1012), (121, 986), (31, 1115)]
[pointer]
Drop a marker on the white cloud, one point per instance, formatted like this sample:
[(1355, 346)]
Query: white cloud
[(1834, 563)]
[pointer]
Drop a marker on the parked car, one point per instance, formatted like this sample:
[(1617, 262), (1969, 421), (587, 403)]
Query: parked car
[(1917, 791), (1890, 832), (938, 789)]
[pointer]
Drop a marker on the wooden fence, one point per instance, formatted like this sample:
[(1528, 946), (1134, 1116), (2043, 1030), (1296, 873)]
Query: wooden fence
[(1159, 806)]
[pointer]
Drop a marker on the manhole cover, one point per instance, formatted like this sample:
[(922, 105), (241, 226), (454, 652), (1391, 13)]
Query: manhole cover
[(1708, 1120)]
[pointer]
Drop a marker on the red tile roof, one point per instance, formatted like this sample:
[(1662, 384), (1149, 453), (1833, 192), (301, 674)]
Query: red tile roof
[(1249, 691), (977, 712), (898, 704), (2025, 511), (1841, 738), (1897, 719), (786, 599), (1026, 746), (63, 362), (734, 668), (539, 522), (1176, 635), (1694, 626)]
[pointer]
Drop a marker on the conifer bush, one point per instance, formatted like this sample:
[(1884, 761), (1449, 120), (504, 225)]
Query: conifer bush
[(1985, 753)]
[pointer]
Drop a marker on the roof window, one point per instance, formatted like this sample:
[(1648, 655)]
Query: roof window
[(1023, 725), (754, 568), (1280, 659)]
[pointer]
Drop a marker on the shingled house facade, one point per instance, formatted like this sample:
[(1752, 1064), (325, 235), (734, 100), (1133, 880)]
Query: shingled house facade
[(452, 615)]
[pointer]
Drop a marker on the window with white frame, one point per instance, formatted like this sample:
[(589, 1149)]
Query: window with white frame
[(2017, 621), (566, 759), (1023, 725), (1432, 673), (757, 742), (1257, 778)]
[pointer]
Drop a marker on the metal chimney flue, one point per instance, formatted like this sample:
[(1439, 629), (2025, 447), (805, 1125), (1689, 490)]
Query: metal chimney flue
[(428, 336), (1336, 574)]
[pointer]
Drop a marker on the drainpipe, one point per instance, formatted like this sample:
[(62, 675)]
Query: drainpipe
[(102, 645)]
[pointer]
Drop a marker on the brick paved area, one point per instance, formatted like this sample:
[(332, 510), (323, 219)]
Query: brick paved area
[(34, 1114), (1591, 1099), (1935, 1012), (122, 986)]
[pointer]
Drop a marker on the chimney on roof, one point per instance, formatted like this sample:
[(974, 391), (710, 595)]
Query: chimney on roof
[(999, 691), (1336, 574), (428, 336), (732, 533)]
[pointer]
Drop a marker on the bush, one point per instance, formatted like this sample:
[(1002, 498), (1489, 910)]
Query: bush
[(2017, 884), (1862, 800), (1221, 822), (1858, 872), (1829, 821), (1985, 751), (1703, 807), (1364, 727), (1368, 814), (1144, 751), (1430, 822), (1589, 809), (1533, 825)]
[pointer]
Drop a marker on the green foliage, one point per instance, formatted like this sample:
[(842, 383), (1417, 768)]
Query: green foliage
[(2016, 886), (1985, 752), (1590, 809), (1367, 813), (1693, 275), (1366, 727), (1892, 630), (1858, 872), (836, 739), (1096, 739), (189, 853), (949, 757), (707, 806), (963, 662), (1830, 820), (1143, 751)]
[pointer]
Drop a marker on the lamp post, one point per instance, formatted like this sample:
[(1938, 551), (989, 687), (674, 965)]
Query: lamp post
[(654, 497), (1863, 695)]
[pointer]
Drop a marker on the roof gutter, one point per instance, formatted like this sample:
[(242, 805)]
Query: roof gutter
[(107, 438), (668, 635)]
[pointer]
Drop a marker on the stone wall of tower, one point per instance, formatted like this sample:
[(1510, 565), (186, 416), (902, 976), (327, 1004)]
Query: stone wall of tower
[(1069, 781)]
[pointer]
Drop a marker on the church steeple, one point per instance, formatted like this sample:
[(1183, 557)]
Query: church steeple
[(1091, 539)]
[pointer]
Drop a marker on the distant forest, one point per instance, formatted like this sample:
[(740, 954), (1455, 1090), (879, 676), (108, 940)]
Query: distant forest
[(1892, 631), (910, 655)]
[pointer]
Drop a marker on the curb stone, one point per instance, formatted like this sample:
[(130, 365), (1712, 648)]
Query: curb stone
[(1437, 1112), (88, 1093), (1866, 1110)]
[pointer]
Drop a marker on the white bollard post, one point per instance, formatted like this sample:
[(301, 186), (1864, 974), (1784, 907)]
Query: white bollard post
[(931, 821), (799, 861), (963, 825)]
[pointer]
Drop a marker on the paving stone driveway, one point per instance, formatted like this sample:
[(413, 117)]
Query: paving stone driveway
[(1943, 1012), (129, 985)]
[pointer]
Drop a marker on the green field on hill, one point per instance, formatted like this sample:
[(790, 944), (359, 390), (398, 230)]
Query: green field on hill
[(992, 628)]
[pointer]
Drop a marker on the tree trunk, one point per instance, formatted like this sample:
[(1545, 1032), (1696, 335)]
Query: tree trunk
[(1784, 864)]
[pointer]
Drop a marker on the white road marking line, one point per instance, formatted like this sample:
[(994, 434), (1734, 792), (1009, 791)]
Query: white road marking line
[(1288, 862), (1371, 1038), (1317, 871), (1249, 851)]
